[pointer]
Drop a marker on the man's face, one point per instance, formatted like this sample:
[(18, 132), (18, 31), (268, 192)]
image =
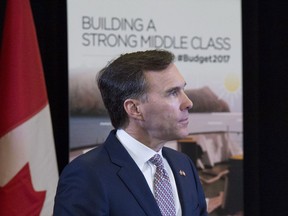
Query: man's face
[(165, 113)]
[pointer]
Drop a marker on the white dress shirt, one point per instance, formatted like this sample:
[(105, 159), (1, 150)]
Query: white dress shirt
[(141, 154)]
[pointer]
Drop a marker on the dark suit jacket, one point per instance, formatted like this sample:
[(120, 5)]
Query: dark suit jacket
[(107, 181)]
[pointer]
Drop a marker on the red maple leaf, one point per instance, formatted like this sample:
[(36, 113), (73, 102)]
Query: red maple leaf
[(18, 196)]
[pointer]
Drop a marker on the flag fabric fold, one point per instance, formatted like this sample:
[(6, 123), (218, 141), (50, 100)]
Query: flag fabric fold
[(28, 167)]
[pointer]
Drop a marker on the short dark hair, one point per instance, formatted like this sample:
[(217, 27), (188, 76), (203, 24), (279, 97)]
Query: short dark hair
[(124, 78)]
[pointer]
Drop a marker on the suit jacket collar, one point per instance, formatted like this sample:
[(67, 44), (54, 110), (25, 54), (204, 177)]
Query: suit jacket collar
[(133, 178), (131, 175)]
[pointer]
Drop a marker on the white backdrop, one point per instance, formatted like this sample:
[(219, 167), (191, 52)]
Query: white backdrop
[(205, 36)]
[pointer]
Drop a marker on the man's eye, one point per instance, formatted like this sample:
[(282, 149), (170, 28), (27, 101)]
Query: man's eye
[(174, 92)]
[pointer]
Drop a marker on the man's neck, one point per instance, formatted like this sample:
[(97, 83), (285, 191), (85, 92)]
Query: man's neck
[(145, 138)]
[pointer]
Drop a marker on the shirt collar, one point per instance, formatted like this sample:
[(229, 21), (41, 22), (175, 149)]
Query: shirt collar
[(139, 152)]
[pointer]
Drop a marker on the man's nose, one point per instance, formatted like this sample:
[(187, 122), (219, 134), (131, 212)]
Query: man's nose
[(187, 103)]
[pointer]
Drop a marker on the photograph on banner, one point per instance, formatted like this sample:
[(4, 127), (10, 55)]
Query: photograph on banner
[(206, 39)]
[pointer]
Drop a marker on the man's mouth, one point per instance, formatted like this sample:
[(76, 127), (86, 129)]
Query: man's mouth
[(184, 121)]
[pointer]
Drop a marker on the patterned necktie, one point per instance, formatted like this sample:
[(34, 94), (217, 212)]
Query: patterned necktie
[(162, 188)]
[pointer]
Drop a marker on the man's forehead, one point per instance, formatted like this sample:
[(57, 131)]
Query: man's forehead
[(168, 78)]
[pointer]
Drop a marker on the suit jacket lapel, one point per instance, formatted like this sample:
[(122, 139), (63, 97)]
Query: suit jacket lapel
[(131, 175), (184, 183)]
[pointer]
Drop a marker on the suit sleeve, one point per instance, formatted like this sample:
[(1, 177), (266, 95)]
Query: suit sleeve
[(79, 192)]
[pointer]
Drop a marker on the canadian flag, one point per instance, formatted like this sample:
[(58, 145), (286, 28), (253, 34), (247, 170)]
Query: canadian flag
[(28, 167)]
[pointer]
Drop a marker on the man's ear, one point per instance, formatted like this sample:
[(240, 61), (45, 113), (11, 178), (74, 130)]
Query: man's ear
[(132, 108)]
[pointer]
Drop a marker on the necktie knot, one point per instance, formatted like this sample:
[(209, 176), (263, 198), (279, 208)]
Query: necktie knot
[(157, 161)]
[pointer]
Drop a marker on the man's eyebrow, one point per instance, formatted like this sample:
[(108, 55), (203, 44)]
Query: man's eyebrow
[(182, 86), (173, 89), (177, 88)]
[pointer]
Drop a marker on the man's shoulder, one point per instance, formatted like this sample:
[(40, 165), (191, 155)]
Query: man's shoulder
[(98, 151), (89, 157), (172, 153)]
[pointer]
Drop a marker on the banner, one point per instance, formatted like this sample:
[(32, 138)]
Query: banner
[(28, 167), (206, 39)]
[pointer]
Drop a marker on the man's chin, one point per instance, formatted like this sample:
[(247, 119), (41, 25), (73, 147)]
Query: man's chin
[(183, 134)]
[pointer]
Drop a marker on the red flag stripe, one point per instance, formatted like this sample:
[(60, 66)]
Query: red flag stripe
[(18, 197), (22, 84)]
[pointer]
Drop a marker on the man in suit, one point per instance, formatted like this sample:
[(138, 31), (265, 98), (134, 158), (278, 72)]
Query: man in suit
[(144, 95)]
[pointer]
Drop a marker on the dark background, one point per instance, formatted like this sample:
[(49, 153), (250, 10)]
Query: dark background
[(265, 88)]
